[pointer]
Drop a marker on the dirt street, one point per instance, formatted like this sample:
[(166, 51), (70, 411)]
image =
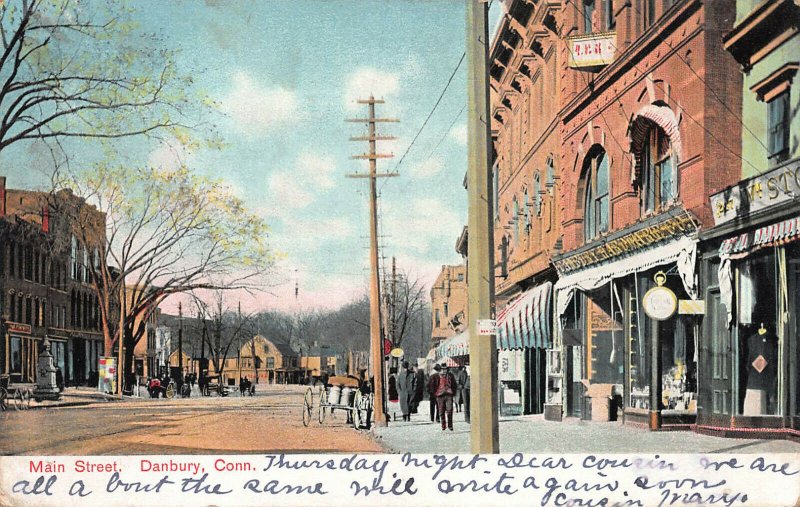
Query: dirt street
[(267, 423)]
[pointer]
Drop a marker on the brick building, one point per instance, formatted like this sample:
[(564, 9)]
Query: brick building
[(525, 75), (649, 132), (448, 303), (45, 283)]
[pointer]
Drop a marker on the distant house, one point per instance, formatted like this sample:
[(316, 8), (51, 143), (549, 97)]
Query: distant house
[(268, 360)]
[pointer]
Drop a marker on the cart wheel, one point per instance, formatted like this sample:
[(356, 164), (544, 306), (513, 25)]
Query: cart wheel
[(308, 404), (3, 399), (26, 399), (171, 391), (357, 410), (323, 405), (19, 399)]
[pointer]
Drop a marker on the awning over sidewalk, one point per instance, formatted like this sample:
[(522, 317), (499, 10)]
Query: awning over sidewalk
[(683, 252), (525, 321), (454, 346)]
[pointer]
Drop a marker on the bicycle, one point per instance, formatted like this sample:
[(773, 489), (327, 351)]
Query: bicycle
[(170, 391)]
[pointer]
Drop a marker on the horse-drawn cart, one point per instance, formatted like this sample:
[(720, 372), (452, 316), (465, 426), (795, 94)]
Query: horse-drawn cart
[(343, 393), (19, 394)]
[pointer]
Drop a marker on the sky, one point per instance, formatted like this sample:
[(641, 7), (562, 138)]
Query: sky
[(286, 74)]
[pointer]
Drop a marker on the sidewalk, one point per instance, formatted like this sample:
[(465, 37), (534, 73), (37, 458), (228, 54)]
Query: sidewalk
[(532, 434), (76, 397)]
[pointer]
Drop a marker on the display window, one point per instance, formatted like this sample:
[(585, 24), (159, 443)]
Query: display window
[(605, 338), (758, 342), (677, 350), (793, 304)]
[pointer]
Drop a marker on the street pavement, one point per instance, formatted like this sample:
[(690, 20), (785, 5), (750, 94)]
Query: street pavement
[(532, 434), (267, 423)]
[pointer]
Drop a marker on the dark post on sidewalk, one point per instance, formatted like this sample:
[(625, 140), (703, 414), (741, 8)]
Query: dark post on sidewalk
[(484, 435)]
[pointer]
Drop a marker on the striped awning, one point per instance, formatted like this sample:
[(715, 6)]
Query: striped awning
[(454, 346), (525, 321), (746, 243)]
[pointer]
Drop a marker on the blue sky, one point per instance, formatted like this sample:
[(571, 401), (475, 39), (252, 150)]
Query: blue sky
[(286, 74)]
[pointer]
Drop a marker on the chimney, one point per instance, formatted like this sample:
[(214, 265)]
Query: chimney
[(45, 219), (2, 196)]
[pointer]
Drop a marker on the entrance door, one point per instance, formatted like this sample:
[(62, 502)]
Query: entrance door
[(721, 399), (573, 378)]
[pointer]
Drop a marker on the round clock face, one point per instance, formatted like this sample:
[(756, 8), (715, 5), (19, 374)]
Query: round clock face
[(660, 303)]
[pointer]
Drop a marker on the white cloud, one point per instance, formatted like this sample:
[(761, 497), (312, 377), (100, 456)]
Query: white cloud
[(256, 109), (459, 134), (366, 81), (170, 155), (427, 168), (421, 224), (296, 187)]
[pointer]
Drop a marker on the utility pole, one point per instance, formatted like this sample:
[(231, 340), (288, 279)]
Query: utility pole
[(484, 435), (239, 341), (376, 343), (180, 342), (394, 307)]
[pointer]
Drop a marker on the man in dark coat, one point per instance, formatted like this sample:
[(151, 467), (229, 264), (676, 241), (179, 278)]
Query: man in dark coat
[(461, 378), (406, 390), (419, 389), (446, 387), (433, 383)]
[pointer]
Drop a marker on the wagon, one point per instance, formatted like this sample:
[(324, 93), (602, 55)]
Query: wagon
[(343, 393), (18, 394)]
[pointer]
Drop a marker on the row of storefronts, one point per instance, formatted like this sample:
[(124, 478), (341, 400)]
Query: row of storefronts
[(646, 180)]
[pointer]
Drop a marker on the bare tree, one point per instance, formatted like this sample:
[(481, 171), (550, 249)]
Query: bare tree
[(409, 305), (166, 232)]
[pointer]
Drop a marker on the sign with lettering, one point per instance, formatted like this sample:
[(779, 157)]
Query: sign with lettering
[(659, 303), (692, 307), (508, 479), (637, 240), (757, 193), (592, 50), (16, 327), (486, 327)]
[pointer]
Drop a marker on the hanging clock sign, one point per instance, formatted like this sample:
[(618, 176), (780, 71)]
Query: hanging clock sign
[(660, 303)]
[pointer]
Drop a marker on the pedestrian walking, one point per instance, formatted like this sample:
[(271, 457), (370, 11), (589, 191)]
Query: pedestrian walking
[(393, 395), (433, 383), (406, 390), (444, 397), (419, 389), (466, 398), (461, 379)]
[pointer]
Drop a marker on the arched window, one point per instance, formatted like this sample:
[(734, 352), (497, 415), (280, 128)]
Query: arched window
[(596, 209), (537, 193), (588, 11), (658, 171)]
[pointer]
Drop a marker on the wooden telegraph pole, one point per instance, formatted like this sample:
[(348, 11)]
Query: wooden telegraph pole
[(484, 435), (376, 342)]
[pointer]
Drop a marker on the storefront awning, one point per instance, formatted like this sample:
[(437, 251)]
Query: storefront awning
[(454, 346), (683, 252), (524, 322)]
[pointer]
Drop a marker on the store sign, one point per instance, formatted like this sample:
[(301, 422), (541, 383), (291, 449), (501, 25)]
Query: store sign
[(16, 327), (781, 232), (396, 352), (637, 240), (660, 303), (486, 327), (692, 307), (592, 50), (760, 192)]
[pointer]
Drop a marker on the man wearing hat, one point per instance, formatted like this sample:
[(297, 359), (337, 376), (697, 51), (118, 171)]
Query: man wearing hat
[(433, 383), (446, 387), (405, 388)]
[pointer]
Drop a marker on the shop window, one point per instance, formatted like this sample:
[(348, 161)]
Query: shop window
[(270, 363), (596, 208), (605, 337), (793, 292), (677, 339), (778, 128), (758, 338), (16, 355), (658, 171)]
